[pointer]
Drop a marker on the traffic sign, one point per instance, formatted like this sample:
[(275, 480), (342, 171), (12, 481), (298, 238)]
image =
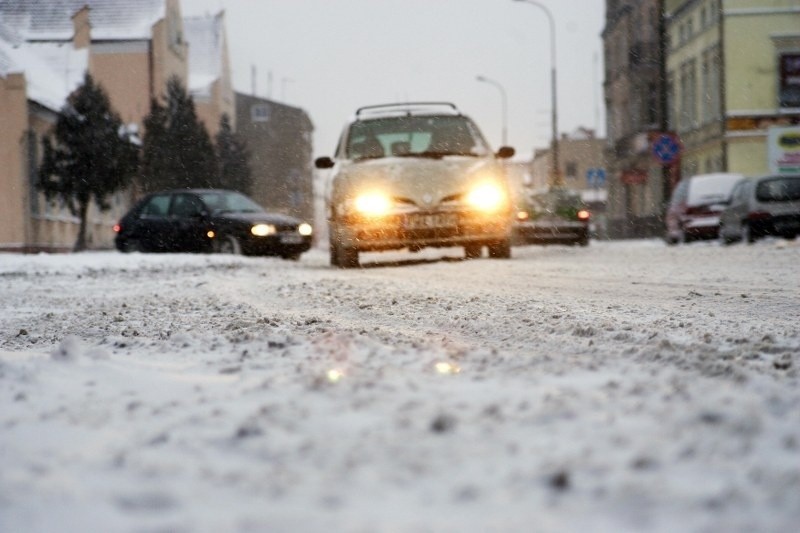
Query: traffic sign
[(596, 177), (666, 148)]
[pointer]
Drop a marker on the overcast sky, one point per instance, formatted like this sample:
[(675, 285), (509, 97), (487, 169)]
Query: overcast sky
[(330, 57)]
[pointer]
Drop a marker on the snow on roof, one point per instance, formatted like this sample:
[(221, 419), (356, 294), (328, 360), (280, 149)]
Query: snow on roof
[(52, 71), (38, 20), (206, 38)]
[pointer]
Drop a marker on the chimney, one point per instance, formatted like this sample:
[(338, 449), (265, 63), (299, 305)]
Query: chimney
[(82, 28)]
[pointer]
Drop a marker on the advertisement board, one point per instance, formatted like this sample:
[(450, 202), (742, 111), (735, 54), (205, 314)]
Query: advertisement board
[(783, 150)]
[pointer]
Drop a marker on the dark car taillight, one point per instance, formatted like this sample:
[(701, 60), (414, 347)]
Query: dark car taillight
[(583, 214), (758, 215), (117, 228)]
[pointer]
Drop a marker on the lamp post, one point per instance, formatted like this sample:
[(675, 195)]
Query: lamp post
[(505, 107), (555, 178)]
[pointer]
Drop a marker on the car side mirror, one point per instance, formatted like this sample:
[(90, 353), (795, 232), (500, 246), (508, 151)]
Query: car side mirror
[(505, 152), (323, 162)]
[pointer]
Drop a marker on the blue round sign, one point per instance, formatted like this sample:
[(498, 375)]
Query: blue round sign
[(666, 148)]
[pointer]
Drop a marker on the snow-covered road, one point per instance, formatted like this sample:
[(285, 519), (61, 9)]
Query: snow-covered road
[(627, 386)]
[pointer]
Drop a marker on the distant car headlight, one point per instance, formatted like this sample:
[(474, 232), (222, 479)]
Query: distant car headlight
[(305, 229), (262, 230), (487, 197), (372, 204)]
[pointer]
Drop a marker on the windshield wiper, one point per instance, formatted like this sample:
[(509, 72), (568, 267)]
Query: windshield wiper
[(438, 154)]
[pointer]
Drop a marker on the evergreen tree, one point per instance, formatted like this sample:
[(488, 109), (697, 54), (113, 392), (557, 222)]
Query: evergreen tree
[(234, 159), (155, 175), (92, 156), (178, 152)]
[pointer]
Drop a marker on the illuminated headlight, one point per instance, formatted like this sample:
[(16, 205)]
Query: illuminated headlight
[(304, 229), (372, 204), (487, 197), (262, 230)]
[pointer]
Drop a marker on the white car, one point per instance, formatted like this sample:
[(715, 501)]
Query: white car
[(412, 176), (768, 205)]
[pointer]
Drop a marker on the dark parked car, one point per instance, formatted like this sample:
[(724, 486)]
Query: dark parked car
[(556, 216), (695, 206), (769, 205), (210, 220)]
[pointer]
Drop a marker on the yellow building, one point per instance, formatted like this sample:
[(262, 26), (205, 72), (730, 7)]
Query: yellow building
[(733, 71)]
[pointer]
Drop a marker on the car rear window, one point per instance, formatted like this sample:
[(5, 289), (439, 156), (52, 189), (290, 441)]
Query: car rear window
[(779, 190)]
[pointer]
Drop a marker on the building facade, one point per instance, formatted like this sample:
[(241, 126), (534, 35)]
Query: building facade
[(279, 139), (634, 99), (131, 49), (733, 72)]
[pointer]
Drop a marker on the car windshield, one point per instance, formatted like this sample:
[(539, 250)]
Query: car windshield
[(415, 136), (779, 190), (229, 202)]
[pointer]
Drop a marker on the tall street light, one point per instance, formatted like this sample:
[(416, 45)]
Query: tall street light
[(505, 107), (555, 178)]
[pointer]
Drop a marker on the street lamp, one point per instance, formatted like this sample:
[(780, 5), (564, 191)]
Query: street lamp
[(555, 178), (505, 107)]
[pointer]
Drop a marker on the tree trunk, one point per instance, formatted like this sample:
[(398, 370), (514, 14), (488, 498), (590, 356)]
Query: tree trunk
[(80, 244)]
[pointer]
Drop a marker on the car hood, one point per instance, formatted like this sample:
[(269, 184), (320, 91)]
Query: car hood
[(277, 219), (424, 182)]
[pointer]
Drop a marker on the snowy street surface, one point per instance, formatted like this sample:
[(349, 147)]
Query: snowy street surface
[(627, 386)]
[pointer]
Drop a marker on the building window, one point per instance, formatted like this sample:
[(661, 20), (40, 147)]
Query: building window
[(789, 83), (572, 169), (260, 113)]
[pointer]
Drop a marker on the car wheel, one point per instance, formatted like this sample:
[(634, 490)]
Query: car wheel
[(344, 257), (500, 250), (228, 244), (747, 233), (583, 241), (291, 257), (131, 246), (473, 251)]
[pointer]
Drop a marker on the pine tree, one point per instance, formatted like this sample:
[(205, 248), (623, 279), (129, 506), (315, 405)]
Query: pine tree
[(92, 156), (234, 159), (155, 175), (177, 151)]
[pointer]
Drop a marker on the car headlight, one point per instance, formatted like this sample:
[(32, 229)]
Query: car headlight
[(372, 204), (262, 230), (304, 229), (487, 197)]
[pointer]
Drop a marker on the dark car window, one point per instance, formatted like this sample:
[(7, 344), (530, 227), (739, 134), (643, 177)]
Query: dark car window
[(778, 190), (157, 206), (229, 202), (680, 194), (415, 135), (560, 203), (186, 206)]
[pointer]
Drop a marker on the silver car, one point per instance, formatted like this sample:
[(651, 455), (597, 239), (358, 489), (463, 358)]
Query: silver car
[(768, 205), (412, 176)]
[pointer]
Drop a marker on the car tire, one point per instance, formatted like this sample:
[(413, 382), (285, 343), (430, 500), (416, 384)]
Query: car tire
[(131, 246), (583, 241), (290, 257), (473, 251), (500, 250), (228, 244)]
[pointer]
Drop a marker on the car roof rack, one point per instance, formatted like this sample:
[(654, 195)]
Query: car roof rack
[(408, 108)]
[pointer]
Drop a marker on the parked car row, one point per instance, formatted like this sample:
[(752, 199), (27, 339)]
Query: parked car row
[(732, 207), (210, 220)]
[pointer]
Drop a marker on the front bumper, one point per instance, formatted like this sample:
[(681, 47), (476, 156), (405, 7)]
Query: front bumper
[(549, 231), (279, 244), (420, 230)]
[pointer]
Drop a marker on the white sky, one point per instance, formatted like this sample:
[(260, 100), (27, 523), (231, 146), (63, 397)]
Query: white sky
[(331, 57)]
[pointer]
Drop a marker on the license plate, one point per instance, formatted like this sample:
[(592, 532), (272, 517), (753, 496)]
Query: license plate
[(437, 220), (291, 238)]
